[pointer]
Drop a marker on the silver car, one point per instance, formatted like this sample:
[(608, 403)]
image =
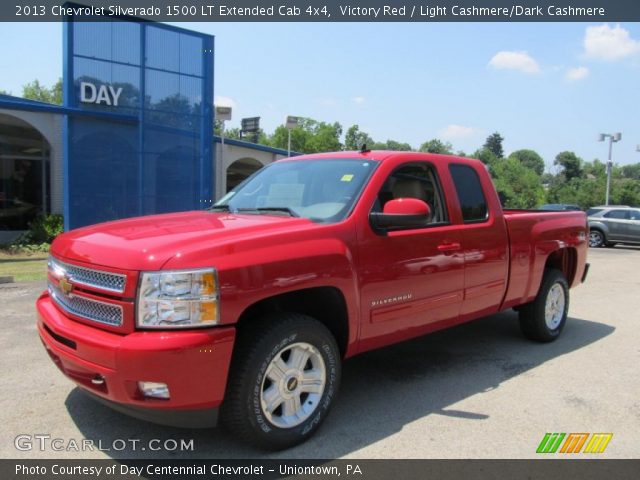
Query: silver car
[(613, 224)]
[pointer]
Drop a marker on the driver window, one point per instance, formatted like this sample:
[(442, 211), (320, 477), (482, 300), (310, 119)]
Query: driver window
[(415, 180)]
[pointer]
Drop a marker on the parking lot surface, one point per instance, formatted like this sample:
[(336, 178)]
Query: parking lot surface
[(476, 391)]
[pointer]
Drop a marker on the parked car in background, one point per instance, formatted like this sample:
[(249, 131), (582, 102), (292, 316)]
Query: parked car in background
[(559, 206), (613, 224)]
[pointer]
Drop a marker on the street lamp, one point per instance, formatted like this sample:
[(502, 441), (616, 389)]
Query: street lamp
[(613, 137), (290, 124)]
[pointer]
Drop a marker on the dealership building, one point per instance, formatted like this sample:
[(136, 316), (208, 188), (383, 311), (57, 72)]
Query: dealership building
[(134, 135)]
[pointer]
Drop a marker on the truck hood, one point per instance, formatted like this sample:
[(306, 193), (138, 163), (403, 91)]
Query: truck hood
[(147, 243)]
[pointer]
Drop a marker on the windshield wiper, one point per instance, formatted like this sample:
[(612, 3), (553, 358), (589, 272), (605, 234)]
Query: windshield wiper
[(286, 210)]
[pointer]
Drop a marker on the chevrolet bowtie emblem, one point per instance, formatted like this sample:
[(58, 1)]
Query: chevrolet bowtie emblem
[(65, 285)]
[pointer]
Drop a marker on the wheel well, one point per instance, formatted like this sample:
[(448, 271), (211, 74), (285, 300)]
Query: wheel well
[(565, 260), (325, 304)]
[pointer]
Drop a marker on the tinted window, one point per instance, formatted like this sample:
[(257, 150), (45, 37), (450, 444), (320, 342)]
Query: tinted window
[(619, 214), (634, 215), (593, 211), (470, 194)]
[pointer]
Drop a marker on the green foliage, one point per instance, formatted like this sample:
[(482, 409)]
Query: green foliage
[(570, 164), (494, 144), (520, 186), (43, 229), (392, 145), (485, 155), (354, 139), (529, 159), (631, 171), (309, 136), (35, 91), (437, 146)]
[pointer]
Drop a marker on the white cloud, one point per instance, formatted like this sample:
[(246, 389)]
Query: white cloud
[(575, 74), (521, 61), (456, 132), (224, 101), (609, 43), (358, 100)]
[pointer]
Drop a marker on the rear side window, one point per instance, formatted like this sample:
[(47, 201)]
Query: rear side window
[(619, 214), (470, 194), (593, 211)]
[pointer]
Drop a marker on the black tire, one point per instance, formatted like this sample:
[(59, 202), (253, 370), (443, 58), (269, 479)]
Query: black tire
[(268, 340), (596, 239), (610, 244), (535, 323)]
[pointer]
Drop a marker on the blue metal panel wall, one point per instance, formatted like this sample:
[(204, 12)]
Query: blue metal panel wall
[(153, 152)]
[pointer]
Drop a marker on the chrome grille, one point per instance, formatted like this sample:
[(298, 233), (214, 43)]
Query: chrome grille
[(107, 313), (112, 282)]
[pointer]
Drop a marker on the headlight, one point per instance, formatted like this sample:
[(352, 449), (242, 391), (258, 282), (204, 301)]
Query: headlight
[(178, 299)]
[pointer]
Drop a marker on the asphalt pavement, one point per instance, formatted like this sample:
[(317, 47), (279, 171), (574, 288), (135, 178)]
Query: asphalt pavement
[(475, 391)]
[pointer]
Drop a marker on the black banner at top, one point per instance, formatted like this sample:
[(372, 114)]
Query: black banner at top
[(325, 10)]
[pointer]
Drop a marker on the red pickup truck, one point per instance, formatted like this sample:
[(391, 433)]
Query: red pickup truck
[(247, 309)]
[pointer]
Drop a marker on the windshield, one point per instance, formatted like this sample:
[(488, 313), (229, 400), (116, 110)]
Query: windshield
[(323, 190)]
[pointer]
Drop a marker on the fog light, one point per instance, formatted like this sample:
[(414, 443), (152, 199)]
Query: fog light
[(154, 389)]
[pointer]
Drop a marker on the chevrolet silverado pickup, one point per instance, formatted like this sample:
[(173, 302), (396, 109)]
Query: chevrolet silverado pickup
[(246, 310)]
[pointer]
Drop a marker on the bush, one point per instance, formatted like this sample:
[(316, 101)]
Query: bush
[(43, 229), (38, 238)]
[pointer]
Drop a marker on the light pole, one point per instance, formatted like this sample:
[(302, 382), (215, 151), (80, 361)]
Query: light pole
[(613, 137), (290, 124)]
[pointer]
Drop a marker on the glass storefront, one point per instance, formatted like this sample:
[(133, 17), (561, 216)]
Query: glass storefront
[(24, 174)]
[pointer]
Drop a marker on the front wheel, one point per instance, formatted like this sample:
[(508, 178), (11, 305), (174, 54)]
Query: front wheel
[(284, 377), (543, 319)]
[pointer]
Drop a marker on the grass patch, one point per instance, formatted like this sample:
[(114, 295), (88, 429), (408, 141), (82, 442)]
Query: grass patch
[(23, 267)]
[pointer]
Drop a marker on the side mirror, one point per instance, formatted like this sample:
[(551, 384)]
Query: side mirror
[(401, 213)]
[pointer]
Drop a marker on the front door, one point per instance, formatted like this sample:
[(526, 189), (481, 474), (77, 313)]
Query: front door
[(410, 279)]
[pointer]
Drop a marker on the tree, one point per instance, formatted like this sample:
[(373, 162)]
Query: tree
[(392, 145), (35, 91), (631, 171), (529, 159), (4, 92), (570, 163), (485, 155), (354, 139), (437, 146), (309, 136), (494, 144), (519, 185)]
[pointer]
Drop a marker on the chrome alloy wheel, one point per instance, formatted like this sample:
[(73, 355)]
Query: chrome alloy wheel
[(595, 239), (293, 385), (554, 306)]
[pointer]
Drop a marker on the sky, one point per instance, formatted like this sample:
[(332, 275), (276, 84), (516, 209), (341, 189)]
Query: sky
[(549, 87)]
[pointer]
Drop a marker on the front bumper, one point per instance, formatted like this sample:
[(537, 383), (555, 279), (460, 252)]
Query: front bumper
[(193, 363)]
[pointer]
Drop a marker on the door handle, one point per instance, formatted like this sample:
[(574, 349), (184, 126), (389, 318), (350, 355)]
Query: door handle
[(449, 246)]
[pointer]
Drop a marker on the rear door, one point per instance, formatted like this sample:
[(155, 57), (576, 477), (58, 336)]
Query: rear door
[(484, 243), (616, 222), (634, 226)]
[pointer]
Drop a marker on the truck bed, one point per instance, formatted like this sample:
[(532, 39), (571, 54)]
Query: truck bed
[(533, 234)]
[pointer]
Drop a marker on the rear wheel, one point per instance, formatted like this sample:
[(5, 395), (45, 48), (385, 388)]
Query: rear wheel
[(543, 319), (284, 378), (596, 238)]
